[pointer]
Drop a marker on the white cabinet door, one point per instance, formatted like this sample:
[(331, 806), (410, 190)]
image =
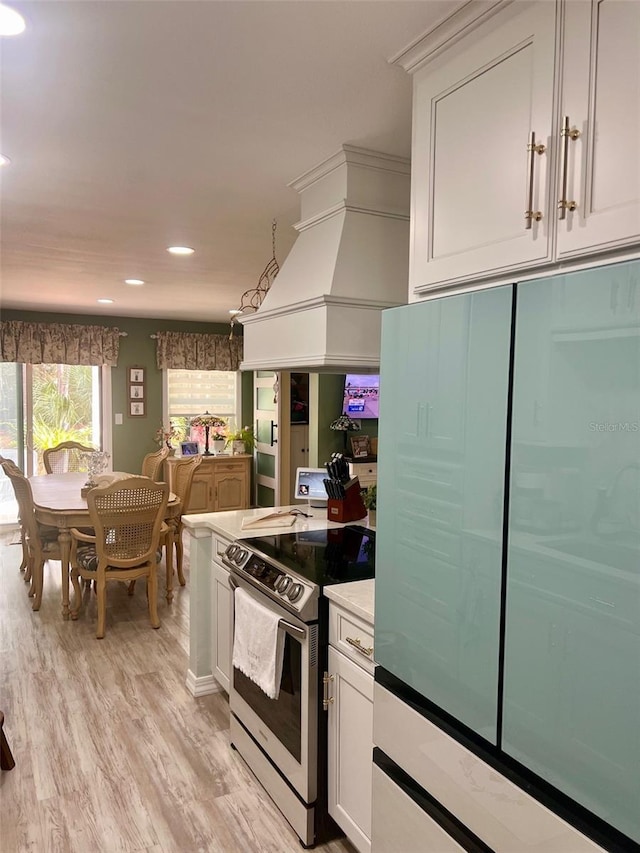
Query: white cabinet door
[(221, 633), (601, 99), (350, 748), (474, 111)]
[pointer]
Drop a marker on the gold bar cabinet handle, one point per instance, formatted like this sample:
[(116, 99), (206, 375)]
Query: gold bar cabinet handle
[(566, 133), (357, 644), (326, 699), (530, 214)]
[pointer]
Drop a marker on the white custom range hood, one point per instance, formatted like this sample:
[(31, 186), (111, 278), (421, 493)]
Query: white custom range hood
[(350, 261)]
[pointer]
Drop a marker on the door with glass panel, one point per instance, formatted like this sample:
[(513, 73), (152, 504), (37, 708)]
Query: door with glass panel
[(272, 394), (46, 404), (42, 405)]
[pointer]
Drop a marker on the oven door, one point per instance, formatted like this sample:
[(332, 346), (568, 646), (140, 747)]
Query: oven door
[(285, 728)]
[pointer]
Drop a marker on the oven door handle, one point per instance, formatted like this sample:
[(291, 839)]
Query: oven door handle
[(286, 626)]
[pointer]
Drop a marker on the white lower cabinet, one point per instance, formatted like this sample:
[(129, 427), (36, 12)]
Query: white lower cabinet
[(350, 734), (222, 603)]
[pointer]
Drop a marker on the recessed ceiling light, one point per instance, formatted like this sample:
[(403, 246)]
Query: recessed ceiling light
[(180, 250), (235, 311), (105, 301), (4, 160), (11, 22), (135, 281)]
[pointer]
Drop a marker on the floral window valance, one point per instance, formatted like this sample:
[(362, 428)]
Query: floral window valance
[(58, 343), (184, 351)]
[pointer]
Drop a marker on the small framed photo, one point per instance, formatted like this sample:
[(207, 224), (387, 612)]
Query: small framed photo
[(136, 409), (136, 374), (360, 446), (136, 392), (189, 448)]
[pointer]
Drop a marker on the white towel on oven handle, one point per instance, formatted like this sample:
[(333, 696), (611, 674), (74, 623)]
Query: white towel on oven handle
[(258, 643)]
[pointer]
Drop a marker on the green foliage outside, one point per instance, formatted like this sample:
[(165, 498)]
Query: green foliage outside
[(62, 406)]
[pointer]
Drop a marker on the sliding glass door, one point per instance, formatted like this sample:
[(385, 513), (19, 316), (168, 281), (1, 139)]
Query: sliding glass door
[(45, 404)]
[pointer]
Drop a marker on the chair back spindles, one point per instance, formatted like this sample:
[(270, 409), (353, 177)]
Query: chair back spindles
[(182, 472), (68, 456), (153, 463), (38, 548), (127, 519)]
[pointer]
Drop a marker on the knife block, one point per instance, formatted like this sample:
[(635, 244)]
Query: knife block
[(349, 508)]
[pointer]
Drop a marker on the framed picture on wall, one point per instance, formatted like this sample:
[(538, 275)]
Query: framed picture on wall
[(136, 392), (136, 374), (136, 409)]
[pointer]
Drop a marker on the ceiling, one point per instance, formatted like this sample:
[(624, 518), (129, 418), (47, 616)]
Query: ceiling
[(134, 126)]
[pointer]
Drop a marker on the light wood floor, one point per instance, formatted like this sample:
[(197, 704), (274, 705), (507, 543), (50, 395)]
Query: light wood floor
[(112, 752)]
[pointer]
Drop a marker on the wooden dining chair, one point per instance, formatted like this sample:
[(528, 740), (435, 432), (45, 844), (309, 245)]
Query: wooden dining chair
[(24, 564), (153, 463), (127, 517), (65, 457), (6, 758), (41, 542), (181, 479)]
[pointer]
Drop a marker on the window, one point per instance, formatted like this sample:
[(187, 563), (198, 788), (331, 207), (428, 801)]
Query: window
[(192, 392)]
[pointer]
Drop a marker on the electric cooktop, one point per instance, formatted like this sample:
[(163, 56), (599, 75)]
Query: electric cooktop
[(322, 557)]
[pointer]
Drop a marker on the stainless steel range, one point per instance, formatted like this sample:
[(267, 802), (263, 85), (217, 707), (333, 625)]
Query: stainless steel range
[(283, 740)]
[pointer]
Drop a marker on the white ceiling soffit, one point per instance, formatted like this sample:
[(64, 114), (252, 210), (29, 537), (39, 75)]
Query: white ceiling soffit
[(349, 262)]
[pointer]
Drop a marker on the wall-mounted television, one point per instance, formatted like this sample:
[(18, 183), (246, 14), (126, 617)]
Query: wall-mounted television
[(361, 395)]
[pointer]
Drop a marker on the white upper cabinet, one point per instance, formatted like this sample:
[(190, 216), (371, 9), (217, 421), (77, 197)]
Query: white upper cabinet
[(491, 165), (473, 177), (601, 100)]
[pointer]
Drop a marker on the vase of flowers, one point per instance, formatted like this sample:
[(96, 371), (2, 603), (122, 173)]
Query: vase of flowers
[(166, 436), (345, 425), (212, 424)]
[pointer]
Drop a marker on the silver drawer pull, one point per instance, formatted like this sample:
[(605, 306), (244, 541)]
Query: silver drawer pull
[(359, 647), (601, 601)]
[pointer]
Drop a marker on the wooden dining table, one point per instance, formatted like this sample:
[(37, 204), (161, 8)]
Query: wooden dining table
[(58, 503)]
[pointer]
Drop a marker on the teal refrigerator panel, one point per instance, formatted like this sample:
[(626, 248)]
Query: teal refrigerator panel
[(572, 647), (441, 458)]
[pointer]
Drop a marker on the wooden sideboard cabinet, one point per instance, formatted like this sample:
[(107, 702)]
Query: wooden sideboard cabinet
[(220, 483)]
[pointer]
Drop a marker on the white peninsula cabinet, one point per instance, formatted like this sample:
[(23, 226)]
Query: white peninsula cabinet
[(512, 170), (349, 705), (221, 605)]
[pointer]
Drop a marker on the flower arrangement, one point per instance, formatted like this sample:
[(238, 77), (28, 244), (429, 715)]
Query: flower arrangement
[(165, 435)]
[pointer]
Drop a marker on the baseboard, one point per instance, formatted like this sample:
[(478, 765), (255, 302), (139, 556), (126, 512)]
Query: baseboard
[(202, 685)]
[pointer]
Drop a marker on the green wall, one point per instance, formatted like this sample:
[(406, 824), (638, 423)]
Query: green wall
[(325, 405), (134, 438)]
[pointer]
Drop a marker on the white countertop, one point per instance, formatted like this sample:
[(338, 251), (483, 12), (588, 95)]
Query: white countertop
[(357, 597), (229, 524)]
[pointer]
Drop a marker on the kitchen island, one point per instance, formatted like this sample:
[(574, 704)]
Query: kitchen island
[(210, 599)]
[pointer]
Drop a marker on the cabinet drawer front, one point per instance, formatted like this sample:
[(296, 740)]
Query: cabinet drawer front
[(500, 813), (234, 466), (352, 636), (400, 824)]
